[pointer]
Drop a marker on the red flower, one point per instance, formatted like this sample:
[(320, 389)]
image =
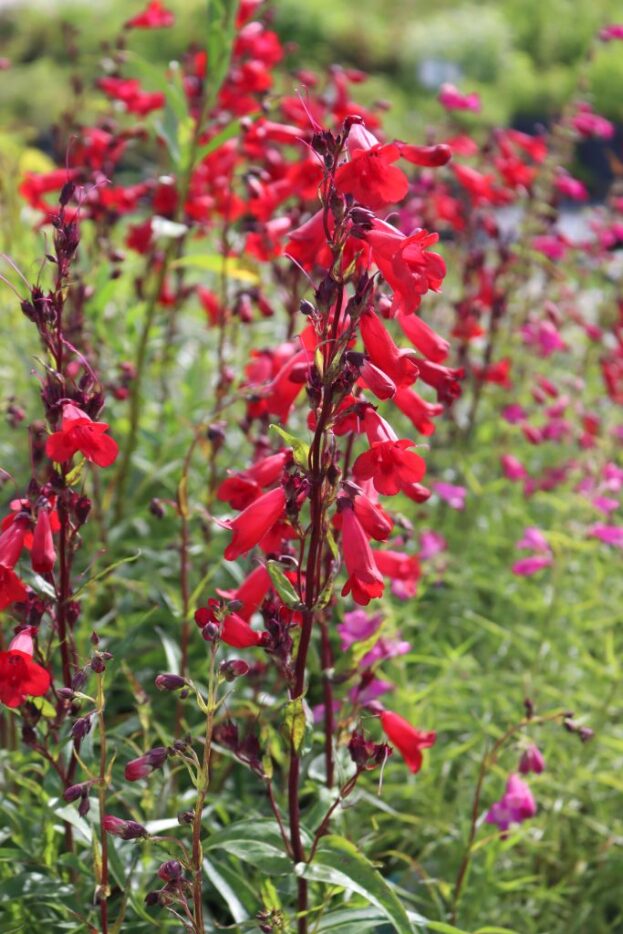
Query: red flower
[(155, 16), (254, 522), (400, 567), (408, 741), (242, 488), (80, 433), (418, 410), (12, 540), (43, 555), (369, 176), (20, 676), (364, 579), (233, 630), (406, 264), (12, 590), (424, 338), (399, 365), (250, 593), (387, 463)]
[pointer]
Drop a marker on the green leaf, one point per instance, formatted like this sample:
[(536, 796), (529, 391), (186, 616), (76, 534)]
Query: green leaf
[(44, 707), (339, 862), (297, 723), (300, 449), (255, 841), (282, 585), (221, 29), (219, 139), (442, 928)]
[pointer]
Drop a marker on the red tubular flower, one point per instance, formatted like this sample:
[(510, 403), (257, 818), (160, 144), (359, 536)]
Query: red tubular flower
[(43, 555), (387, 463), (428, 156), (376, 523), (233, 630), (126, 829), (377, 381), (399, 365), (251, 592), (400, 568), (418, 410), (12, 541), (80, 433), (155, 16), (424, 338), (242, 488), (12, 590), (20, 676), (364, 579), (254, 522), (406, 264), (371, 178), (408, 741), (442, 378)]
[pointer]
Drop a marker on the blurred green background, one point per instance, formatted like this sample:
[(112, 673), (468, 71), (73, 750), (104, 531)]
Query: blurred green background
[(525, 57)]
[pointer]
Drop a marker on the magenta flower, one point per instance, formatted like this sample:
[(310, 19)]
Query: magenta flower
[(605, 504), (453, 495), (513, 468), (384, 649), (452, 99), (525, 567), (431, 544), (533, 540), (609, 534), (514, 414), (515, 806), (357, 627), (531, 760)]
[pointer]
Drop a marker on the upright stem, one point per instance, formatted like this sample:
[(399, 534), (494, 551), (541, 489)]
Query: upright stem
[(203, 784), (104, 884), (326, 658)]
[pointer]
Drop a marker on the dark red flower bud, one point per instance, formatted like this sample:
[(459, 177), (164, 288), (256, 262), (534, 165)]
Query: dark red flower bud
[(234, 668), (145, 765), (76, 791), (170, 682), (171, 871), (126, 829)]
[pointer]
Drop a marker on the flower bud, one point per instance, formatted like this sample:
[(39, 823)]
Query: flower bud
[(81, 727), (170, 682), (126, 829), (171, 871), (531, 760), (76, 791), (185, 817), (234, 668), (43, 554), (145, 765)]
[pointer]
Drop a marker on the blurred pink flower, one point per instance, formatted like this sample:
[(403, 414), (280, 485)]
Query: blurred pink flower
[(513, 468), (515, 805), (452, 99), (533, 539), (431, 544), (453, 495), (609, 534), (528, 566)]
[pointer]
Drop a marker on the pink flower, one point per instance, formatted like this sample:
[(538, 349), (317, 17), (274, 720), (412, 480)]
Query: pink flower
[(431, 544), (453, 495), (588, 123), (145, 765), (534, 540), (515, 805), (452, 99), (513, 468), (531, 760), (525, 567), (613, 31), (609, 534)]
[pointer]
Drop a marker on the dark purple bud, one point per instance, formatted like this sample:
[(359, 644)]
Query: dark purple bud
[(98, 665), (170, 682), (81, 727), (84, 806), (586, 734), (171, 871), (79, 679), (76, 791), (152, 899), (531, 760), (156, 508), (234, 668), (82, 508), (185, 817)]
